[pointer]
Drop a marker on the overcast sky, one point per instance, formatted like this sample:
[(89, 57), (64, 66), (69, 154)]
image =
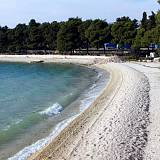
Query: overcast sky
[(13, 12)]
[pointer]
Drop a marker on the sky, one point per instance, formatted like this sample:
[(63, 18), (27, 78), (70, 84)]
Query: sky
[(13, 12)]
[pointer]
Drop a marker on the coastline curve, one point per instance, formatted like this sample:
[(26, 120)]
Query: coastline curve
[(79, 126)]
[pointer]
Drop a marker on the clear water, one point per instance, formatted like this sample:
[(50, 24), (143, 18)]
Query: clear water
[(34, 98)]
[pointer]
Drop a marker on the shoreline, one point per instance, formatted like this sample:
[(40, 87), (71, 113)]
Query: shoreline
[(82, 60), (83, 103), (91, 112), (112, 126), (120, 123), (82, 108)]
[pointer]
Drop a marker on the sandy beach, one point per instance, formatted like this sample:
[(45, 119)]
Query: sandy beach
[(122, 123), (86, 60), (114, 127), (152, 72)]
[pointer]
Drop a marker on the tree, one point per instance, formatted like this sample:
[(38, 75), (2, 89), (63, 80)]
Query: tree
[(68, 37), (82, 30), (49, 33), (35, 37), (75, 33), (157, 18), (137, 42), (124, 31), (153, 36), (20, 37), (11, 46), (3, 38), (97, 33), (151, 21), (144, 21)]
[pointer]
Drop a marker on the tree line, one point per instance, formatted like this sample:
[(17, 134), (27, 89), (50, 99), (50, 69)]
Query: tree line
[(78, 34)]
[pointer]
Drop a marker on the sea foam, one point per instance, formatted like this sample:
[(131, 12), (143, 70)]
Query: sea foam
[(53, 110), (90, 96), (94, 91), (28, 151)]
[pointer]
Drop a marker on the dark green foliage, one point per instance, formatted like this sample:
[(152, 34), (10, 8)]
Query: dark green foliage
[(82, 30), (77, 34), (144, 22), (69, 37), (124, 31), (3, 38), (158, 18), (20, 37), (98, 33), (138, 41), (149, 32), (49, 33), (152, 21), (35, 36)]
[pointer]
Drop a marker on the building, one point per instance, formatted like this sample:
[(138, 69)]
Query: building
[(109, 46)]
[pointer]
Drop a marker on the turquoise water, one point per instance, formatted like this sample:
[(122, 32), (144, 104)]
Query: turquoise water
[(36, 97)]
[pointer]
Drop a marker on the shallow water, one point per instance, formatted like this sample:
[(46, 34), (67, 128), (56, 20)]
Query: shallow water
[(37, 100), (36, 97)]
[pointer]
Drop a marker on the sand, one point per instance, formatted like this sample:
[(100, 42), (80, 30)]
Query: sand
[(89, 60), (122, 123), (152, 71), (113, 128)]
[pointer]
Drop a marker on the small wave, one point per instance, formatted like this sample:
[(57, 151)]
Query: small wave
[(28, 151), (53, 110)]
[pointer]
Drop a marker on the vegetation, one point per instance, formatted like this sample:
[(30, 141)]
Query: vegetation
[(76, 34)]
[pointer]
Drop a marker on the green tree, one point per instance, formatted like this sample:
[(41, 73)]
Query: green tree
[(49, 32), (11, 46), (97, 33), (3, 38), (157, 18), (35, 37), (68, 37), (82, 30), (137, 43), (144, 21), (152, 21), (20, 37), (124, 31), (152, 36)]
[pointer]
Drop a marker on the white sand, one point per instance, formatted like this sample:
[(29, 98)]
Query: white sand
[(58, 59), (120, 132), (113, 128), (152, 71)]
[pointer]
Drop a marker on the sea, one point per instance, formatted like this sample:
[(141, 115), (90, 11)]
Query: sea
[(38, 100)]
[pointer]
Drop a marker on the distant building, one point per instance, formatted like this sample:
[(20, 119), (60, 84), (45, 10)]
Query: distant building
[(110, 46), (154, 46)]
